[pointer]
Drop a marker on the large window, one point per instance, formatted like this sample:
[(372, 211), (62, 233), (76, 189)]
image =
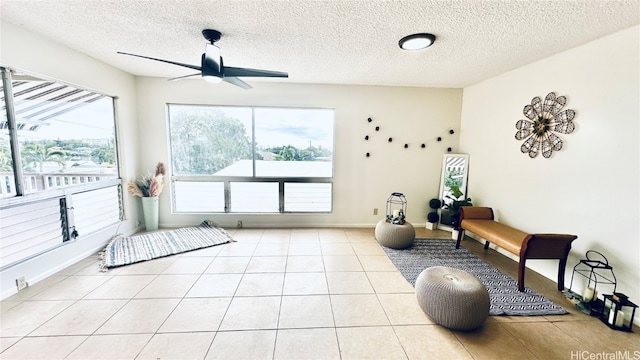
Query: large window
[(58, 164), (251, 159)]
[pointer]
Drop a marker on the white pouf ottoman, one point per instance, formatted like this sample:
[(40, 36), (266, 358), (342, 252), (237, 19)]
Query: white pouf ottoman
[(395, 236), (452, 297)]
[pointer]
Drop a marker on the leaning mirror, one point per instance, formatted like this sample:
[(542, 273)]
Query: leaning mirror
[(454, 175)]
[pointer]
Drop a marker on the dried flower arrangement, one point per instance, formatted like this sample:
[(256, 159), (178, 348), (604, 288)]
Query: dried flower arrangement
[(148, 185)]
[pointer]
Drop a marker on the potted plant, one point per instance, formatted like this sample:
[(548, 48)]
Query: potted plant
[(457, 200)]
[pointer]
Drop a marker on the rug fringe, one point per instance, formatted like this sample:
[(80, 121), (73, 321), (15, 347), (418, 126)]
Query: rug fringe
[(103, 253), (211, 223)]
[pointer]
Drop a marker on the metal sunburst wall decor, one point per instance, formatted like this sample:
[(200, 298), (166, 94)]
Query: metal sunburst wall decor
[(545, 120)]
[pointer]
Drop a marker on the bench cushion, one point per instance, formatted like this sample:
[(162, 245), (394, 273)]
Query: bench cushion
[(501, 235)]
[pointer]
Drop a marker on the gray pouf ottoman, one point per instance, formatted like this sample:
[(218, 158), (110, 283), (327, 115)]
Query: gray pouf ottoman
[(395, 236), (452, 297)]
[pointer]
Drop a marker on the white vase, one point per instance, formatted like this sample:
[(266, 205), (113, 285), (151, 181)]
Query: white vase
[(150, 211)]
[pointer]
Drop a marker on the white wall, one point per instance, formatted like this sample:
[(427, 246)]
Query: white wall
[(408, 115), (23, 50), (591, 187)]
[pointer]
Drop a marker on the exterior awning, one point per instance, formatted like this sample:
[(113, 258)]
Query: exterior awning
[(37, 101)]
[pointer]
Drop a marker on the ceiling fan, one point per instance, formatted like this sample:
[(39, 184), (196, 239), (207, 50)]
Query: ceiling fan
[(212, 68)]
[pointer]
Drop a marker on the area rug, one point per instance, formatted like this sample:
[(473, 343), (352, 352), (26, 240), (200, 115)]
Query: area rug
[(124, 250), (503, 290)]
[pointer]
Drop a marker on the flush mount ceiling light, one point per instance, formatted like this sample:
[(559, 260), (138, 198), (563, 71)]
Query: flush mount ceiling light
[(417, 41)]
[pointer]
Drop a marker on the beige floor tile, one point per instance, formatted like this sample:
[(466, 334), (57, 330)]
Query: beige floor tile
[(121, 287), (318, 344), (247, 235), (376, 263), (177, 346), (386, 282), (189, 265), (430, 342), (215, 285), (377, 342), (349, 283), (252, 313), (151, 267), (243, 345), (305, 248), (71, 288), (342, 263), (311, 311), (238, 249), (403, 309), (167, 286), (271, 249), (139, 316), (493, 341), (36, 288), (596, 337), (305, 264), (276, 236), (7, 342), (262, 284), (332, 235), (228, 265), (196, 314), (82, 318), (358, 310), (112, 347), (305, 284), (335, 248), (367, 248), (27, 316), (304, 235), (49, 348), (92, 260), (264, 264), (6, 305), (563, 345)]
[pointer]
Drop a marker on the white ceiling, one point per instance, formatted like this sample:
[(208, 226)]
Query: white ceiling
[(333, 42)]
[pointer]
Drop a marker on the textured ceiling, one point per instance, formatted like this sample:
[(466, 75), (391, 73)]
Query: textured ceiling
[(334, 42)]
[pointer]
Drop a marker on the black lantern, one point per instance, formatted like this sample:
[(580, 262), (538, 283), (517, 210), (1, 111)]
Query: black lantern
[(618, 312), (596, 270), (396, 208)]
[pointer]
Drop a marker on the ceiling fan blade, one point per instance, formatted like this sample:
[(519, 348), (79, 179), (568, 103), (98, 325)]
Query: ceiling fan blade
[(237, 82), (164, 61), (184, 76), (234, 71), (211, 61)]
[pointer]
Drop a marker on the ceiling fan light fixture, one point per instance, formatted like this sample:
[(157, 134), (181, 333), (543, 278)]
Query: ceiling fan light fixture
[(417, 41), (212, 79)]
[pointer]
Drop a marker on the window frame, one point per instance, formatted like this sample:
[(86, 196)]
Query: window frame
[(227, 180), (62, 194)]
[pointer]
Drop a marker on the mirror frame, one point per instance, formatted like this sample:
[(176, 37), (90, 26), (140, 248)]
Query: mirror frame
[(446, 159)]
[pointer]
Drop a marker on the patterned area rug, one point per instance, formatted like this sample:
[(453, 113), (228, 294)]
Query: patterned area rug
[(503, 290), (123, 250)]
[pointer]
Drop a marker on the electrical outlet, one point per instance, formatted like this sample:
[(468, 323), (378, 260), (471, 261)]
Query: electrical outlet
[(375, 211), (21, 283), (239, 224)]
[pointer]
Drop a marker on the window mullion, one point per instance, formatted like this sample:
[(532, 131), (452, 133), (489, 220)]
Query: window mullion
[(13, 133)]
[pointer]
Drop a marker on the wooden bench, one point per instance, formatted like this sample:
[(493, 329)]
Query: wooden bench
[(479, 220)]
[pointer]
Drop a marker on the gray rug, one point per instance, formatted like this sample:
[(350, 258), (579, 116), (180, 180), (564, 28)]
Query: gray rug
[(503, 290), (123, 250)]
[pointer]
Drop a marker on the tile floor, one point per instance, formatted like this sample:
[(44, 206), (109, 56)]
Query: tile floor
[(278, 294)]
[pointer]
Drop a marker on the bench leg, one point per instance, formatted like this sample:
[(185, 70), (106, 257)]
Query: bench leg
[(486, 245), (521, 269), (460, 236), (561, 267)]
